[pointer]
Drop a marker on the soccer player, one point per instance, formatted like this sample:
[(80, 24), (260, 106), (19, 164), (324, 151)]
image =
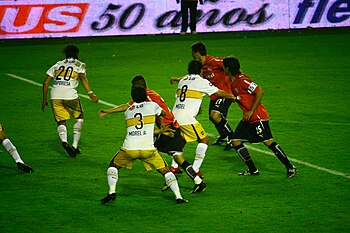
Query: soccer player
[(12, 150), (218, 107), (189, 94), (172, 145), (65, 101), (140, 118), (254, 126)]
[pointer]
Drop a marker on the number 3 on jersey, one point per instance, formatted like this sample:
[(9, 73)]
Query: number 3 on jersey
[(139, 115)]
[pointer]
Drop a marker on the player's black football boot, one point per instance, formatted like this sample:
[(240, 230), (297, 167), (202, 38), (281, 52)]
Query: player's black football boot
[(108, 198), (24, 168), (199, 188), (69, 149)]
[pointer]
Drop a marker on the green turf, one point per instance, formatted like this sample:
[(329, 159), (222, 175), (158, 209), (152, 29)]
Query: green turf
[(305, 78)]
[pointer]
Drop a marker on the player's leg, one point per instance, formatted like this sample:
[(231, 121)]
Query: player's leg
[(245, 131), (76, 110), (188, 168), (245, 156), (119, 161), (63, 135), (61, 116), (152, 160), (277, 150), (171, 182), (195, 132), (201, 150), (174, 167), (76, 134), (170, 145), (217, 115), (12, 150)]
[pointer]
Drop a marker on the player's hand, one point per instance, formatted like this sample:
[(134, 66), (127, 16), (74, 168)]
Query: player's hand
[(43, 105), (102, 113), (167, 131), (174, 80), (247, 116), (93, 98)]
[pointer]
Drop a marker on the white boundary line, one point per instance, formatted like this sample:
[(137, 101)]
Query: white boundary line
[(211, 135)]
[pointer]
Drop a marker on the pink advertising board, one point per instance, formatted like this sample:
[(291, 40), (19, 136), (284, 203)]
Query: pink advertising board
[(84, 18)]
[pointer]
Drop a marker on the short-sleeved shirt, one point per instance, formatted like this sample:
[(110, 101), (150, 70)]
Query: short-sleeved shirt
[(189, 94), (246, 89), (213, 70), (153, 96), (140, 119), (66, 78)]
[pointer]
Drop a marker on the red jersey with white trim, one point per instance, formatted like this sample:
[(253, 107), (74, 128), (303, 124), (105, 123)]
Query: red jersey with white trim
[(155, 97), (213, 70), (245, 88)]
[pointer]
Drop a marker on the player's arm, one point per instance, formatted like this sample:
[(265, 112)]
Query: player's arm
[(166, 130), (174, 80), (120, 108), (45, 90), (223, 94), (86, 85), (258, 96)]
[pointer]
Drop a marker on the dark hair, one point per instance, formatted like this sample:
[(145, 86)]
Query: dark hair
[(71, 51), (199, 47), (232, 63), (194, 67), (139, 81), (138, 94)]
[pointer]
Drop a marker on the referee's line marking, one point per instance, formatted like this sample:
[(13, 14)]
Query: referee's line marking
[(211, 135)]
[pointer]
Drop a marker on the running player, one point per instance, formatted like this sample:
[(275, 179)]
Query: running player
[(64, 97)]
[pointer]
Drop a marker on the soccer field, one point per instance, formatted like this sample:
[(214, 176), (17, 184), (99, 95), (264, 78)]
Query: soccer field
[(305, 77)]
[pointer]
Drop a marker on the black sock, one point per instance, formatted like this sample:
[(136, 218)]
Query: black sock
[(186, 166), (245, 156), (277, 150), (224, 127)]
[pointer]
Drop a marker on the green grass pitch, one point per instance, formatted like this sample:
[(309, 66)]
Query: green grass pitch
[(305, 77)]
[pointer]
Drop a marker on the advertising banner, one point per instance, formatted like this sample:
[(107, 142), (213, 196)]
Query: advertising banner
[(83, 18)]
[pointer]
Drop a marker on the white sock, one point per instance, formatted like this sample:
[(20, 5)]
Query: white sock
[(62, 132), (171, 181), (12, 150), (112, 178), (200, 155), (77, 132), (174, 164)]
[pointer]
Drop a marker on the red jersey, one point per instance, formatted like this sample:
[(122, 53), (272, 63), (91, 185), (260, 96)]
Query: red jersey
[(245, 88), (213, 70), (155, 97)]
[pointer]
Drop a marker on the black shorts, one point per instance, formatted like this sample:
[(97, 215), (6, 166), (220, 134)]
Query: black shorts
[(256, 132), (170, 145), (220, 105)]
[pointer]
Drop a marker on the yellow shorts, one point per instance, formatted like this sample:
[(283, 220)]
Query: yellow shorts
[(151, 159), (64, 109), (192, 132), (1, 128)]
